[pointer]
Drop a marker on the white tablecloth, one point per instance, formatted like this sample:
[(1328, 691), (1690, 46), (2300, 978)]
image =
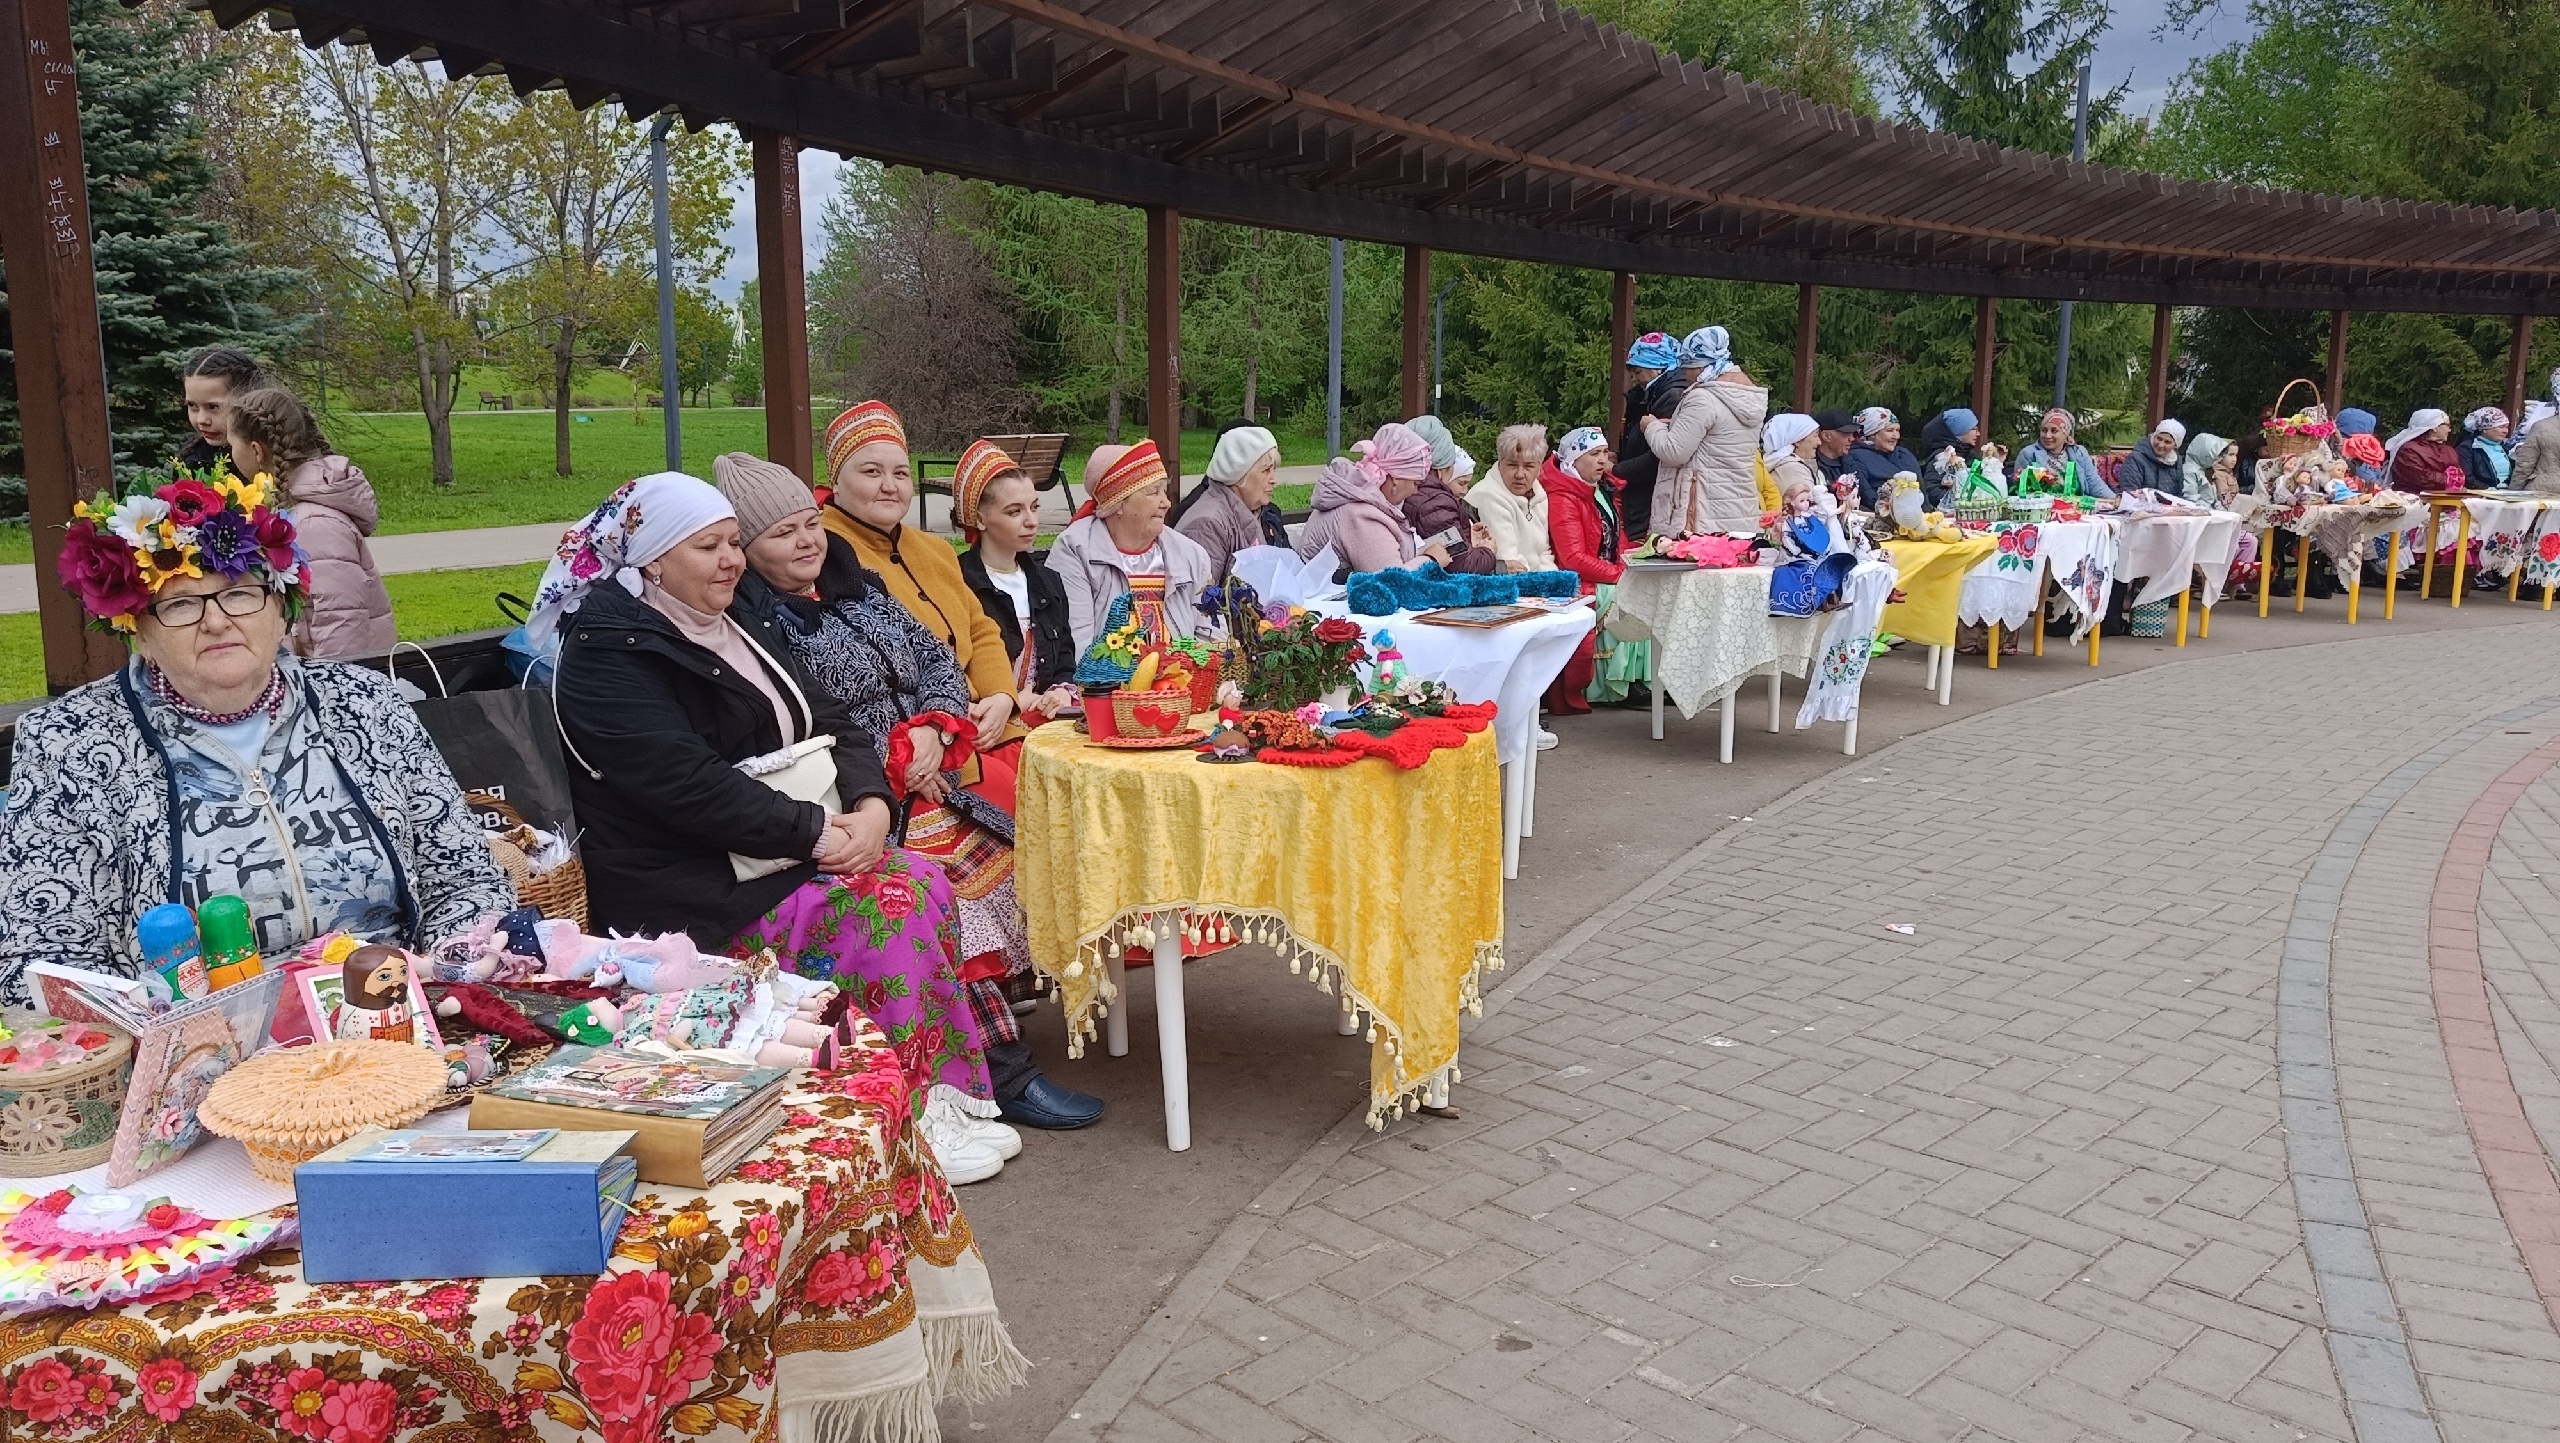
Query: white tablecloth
[(1710, 627), (2160, 551), (1511, 666)]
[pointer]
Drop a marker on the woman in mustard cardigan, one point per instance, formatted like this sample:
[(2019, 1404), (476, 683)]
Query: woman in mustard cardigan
[(874, 489)]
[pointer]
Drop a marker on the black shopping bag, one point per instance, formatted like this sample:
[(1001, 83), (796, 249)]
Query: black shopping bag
[(504, 748)]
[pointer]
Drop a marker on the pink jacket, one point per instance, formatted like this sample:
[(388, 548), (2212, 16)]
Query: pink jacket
[(349, 613), (1353, 517)]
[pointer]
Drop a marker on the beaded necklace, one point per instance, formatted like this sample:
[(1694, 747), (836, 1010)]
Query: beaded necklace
[(270, 701)]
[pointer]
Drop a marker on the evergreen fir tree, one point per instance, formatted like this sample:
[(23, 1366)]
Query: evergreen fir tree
[(169, 280), (1969, 81)]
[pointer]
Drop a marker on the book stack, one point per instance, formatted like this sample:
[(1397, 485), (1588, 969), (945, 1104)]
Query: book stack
[(694, 1120), (385, 1206)]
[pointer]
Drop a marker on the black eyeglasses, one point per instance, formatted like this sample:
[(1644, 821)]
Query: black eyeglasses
[(177, 611)]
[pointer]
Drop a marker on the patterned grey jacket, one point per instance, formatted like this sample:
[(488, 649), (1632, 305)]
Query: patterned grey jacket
[(85, 840)]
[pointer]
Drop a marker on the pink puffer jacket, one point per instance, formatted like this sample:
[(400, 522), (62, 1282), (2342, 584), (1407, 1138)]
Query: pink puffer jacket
[(333, 511)]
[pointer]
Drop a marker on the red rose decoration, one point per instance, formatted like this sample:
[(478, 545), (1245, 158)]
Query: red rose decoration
[(55, 1201), (163, 1216), (190, 501), (1335, 629), (897, 898), (99, 569), (362, 1412), (274, 532), (2549, 546), (834, 1280)]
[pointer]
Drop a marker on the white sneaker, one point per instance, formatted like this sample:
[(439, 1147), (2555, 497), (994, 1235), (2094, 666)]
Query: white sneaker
[(965, 1157), (1546, 740), (975, 1117)]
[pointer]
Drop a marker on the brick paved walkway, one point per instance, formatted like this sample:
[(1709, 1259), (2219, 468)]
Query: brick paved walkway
[(1738, 1161)]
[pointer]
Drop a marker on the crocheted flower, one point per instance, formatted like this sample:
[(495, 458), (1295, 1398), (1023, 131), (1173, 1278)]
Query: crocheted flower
[(166, 1388), (37, 1124), (190, 500), (102, 572)]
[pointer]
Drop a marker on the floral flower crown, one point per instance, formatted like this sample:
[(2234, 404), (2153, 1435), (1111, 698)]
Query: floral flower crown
[(121, 550)]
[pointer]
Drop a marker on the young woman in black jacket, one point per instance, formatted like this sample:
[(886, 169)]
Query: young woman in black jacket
[(662, 693), (999, 511)]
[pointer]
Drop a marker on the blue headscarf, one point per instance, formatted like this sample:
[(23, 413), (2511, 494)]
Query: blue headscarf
[(1959, 420), (1709, 349), (1653, 351), (2352, 422)]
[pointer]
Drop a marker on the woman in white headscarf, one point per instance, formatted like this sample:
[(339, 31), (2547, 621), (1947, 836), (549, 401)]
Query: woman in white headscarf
[(2159, 463), (1786, 448), (2422, 458), (1226, 516), (2485, 462), (662, 691)]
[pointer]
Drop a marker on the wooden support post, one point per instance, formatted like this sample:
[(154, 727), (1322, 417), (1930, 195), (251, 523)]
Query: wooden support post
[(1986, 342), (1808, 331), (2159, 394), (2335, 396), (2519, 355), (1164, 338), (53, 314), (782, 303), (1417, 333), (1622, 335)]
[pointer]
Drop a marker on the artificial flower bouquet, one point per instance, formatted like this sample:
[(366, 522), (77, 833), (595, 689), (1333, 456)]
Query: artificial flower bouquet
[(1297, 656), (122, 546)]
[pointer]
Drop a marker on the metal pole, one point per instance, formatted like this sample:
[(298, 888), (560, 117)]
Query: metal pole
[(2079, 152), (1439, 317), (670, 405), (1333, 361)]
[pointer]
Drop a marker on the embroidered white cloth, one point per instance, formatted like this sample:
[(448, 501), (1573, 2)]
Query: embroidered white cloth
[(2542, 550), (2214, 551), (1511, 666), (1710, 627), (1848, 641), (2003, 587), (2159, 551), (2502, 527)]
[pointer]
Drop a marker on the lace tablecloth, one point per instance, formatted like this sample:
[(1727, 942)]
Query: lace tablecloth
[(1710, 626), (826, 1287)]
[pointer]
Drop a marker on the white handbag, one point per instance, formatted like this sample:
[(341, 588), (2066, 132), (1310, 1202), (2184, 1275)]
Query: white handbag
[(805, 772)]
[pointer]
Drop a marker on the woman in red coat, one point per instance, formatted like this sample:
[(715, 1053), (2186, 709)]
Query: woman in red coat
[(2421, 455), (1583, 523)]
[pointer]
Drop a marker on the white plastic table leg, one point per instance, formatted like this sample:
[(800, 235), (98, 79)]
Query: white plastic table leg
[(1947, 678), (1437, 1094), (1849, 738), (1115, 1025), (1512, 784), (1170, 1040), (1930, 681), (1529, 793), (1773, 698), (1724, 723), (1656, 689)]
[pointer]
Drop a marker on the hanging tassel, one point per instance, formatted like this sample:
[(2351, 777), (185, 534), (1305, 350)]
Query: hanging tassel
[(1293, 966), (1373, 1033)]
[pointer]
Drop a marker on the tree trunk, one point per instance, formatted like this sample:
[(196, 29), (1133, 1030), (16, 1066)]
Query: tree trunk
[(440, 377), (564, 360)]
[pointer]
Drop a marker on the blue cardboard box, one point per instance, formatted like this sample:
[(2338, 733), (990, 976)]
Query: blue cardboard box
[(552, 1212)]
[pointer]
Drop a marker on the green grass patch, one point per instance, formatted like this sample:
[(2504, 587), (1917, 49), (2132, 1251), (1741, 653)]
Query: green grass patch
[(21, 656), (429, 604), (17, 544)]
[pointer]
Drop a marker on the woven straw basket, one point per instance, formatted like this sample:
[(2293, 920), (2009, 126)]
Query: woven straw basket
[(63, 1119), (2282, 443), (559, 894), (1150, 713)]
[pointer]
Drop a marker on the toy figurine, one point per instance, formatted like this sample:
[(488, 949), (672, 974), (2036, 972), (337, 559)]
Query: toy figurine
[(767, 1019), (376, 996)]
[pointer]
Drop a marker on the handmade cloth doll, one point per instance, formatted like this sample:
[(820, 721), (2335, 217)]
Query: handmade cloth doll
[(766, 1019), (1809, 572)]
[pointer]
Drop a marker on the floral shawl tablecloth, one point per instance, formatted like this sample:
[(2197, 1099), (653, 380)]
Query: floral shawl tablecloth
[(827, 1291)]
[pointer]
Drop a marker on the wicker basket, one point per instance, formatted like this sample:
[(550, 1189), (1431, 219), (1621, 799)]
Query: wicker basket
[(2032, 510), (288, 1105), (2285, 443), (1977, 509), (559, 894), (1150, 713), (63, 1119), (2151, 619)]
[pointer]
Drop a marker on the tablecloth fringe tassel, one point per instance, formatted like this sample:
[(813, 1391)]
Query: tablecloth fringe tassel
[(904, 1414), (973, 1357)]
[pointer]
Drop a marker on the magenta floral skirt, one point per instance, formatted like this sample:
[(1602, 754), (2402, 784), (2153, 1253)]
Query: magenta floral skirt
[(890, 937)]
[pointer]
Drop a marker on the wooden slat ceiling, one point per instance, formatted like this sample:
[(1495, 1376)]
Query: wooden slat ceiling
[(1508, 127)]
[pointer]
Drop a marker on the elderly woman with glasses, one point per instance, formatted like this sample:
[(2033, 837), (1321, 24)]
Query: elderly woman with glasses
[(212, 763)]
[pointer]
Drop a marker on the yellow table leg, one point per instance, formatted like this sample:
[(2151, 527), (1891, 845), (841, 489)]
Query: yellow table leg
[(2204, 623), (2391, 578), (2515, 580), (2427, 543), (2461, 550), (2093, 646), (2183, 600), (2355, 593), (2266, 568), (2301, 572), (2546, 595), (1991, 645), (2041, 580)]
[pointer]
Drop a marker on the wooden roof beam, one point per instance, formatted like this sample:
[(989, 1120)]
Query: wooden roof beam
[(1103, 63), (861, 19), (1252, 112)]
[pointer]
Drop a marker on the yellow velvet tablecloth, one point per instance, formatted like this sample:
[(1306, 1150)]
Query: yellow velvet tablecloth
[(1383, 884), (1929, 574)]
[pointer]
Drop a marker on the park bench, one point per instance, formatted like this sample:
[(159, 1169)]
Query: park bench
[(1039, 456)]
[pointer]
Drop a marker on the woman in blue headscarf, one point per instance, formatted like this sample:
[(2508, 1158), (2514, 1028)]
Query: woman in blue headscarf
[(1653, 389), (1709, 447)]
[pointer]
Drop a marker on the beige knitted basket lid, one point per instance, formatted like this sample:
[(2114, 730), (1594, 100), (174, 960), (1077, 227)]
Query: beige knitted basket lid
[(290, 1097)]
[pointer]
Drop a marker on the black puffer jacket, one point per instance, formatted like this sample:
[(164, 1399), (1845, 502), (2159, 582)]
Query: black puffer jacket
[(665, 722), (1636, 464), (1053, 660)]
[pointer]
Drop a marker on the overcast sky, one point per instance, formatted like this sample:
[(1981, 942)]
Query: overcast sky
[(2132, 52)]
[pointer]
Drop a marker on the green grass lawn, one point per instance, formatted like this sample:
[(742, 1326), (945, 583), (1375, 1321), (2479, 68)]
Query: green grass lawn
[(503, 472), (21, 656)]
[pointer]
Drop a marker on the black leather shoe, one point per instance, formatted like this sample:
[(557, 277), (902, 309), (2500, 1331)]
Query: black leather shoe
[(1046, 1104)]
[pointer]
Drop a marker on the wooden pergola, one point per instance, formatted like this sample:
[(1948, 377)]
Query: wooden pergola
[(1510, 128)]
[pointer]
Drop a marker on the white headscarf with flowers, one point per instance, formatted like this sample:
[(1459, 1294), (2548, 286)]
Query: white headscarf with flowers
[(636, 525)]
